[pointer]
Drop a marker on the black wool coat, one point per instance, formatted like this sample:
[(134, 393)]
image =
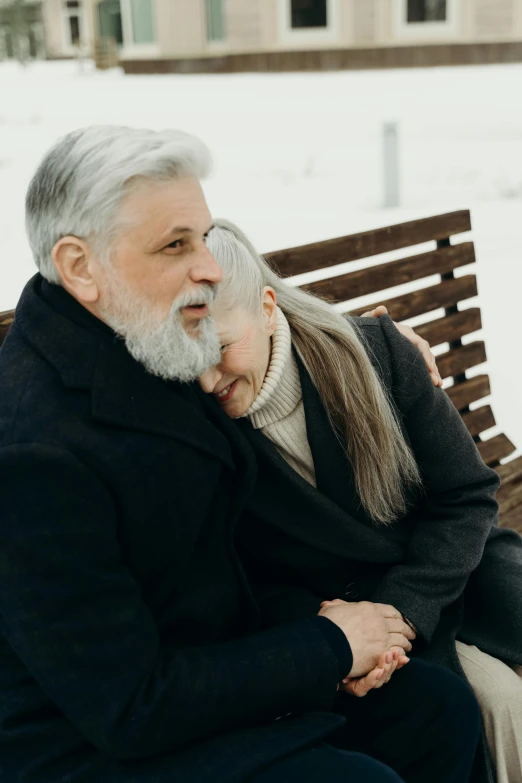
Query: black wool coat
[(130, 648), (303, 545)]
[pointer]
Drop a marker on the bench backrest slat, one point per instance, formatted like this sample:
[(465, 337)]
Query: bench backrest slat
[(495, 449), (460, 359), (463, 394), (479, 420), (393, 273), (425, 300), (332, 252), (451, 327)]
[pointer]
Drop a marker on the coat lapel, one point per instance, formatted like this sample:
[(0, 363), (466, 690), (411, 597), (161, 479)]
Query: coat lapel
[(333, 471), (244, 458), (283, 499), (124, 394)]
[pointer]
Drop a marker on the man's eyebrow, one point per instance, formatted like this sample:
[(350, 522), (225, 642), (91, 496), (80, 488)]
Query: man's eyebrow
[(186, 230), (180, 230)]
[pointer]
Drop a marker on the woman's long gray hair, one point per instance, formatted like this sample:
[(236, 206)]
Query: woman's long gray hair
[(354, 398)]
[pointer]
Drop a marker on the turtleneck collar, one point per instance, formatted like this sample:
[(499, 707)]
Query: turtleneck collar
[(281, 390)]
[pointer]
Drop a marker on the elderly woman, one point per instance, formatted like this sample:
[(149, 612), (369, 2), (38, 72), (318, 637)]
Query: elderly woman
[(380, 491)]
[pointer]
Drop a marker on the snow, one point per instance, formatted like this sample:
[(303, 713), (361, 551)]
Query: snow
[(298, 159)]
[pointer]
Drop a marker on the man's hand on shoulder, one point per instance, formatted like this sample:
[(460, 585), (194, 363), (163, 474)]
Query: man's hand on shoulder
[(422, 345)]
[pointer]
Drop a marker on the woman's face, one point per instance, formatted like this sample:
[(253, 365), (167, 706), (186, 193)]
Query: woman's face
[(236, 381)]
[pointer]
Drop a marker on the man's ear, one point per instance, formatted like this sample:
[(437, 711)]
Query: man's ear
[(270, 309), (72, 257)]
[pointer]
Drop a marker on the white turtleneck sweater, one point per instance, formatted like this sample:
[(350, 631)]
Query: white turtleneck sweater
[(278, 409)]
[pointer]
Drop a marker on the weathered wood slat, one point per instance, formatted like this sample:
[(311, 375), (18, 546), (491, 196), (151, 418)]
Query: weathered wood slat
[(511, 471), (460, 359), (377, 278), (317, 255), (509, 496), (462, 394), (495, 449), (451, 327), (479, 420), (512, 519), (445, 294)]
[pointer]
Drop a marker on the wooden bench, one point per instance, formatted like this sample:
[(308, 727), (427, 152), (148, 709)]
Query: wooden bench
[(440, 299), (443, 323)]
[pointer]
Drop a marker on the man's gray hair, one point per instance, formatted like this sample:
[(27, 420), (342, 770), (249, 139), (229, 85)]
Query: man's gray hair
[(81, 182)]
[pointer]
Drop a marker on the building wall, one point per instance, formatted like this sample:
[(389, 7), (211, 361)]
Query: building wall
[(56, 33), (244, 24), (494, 17), (263, 26), (255, 25), (179, 27)]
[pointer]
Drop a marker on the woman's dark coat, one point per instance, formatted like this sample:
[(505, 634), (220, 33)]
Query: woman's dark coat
[(304, 545), (125, 654)]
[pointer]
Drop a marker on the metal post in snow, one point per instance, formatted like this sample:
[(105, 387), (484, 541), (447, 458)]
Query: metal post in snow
[(391, 164)]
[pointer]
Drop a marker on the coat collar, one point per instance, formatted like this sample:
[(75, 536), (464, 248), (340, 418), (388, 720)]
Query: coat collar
[(88, 355), (333, 470), (328, 517), (283, 499)]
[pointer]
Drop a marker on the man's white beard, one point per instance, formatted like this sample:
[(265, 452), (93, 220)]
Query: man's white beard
[(162, 345)]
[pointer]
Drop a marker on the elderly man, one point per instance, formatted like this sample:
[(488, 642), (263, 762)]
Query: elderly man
[(129, 642)]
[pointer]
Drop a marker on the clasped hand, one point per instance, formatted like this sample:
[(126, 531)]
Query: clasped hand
[(379, 638)]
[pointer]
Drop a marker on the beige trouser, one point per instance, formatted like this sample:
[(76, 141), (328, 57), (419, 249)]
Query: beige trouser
[(498, 689)]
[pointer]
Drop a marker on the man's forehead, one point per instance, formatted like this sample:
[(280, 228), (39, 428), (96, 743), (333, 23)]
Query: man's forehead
[(175, 200)]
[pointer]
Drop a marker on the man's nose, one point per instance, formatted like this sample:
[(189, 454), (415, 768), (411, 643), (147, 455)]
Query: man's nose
[(205, 268), (209, 379)]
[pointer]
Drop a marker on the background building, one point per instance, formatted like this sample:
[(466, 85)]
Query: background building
[(264, 35), (235, 35), (21, 29), (58, 29), (70, 28)]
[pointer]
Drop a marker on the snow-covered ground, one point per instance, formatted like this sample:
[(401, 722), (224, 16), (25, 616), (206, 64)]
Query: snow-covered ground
[(298, 159)]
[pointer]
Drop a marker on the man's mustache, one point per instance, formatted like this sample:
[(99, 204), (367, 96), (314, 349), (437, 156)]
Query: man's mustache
[(205, 294)]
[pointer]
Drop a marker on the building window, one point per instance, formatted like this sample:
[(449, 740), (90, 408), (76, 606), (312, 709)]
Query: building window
[(74, 29), (109, 20), (308, 13), (73, 22), (427, 19), (142, 21), (426, 11), (215, 21)]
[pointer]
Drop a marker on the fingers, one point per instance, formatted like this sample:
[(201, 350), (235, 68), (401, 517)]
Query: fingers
[(398, 640), (378, 311), (389, 611), (363, 685), (425, 349), (382, 674), (325, 605), (402, 658), (390, 667), (399, 626)]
